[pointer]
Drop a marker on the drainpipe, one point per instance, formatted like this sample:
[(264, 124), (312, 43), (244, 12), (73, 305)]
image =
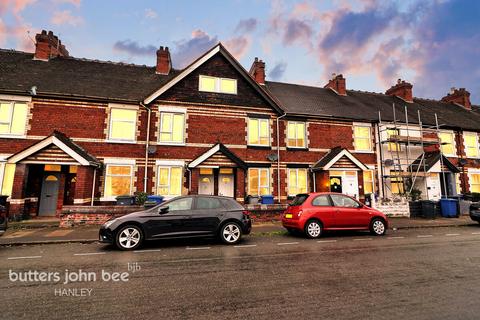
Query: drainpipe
[(278, 157), (147, 144), (93, 186)]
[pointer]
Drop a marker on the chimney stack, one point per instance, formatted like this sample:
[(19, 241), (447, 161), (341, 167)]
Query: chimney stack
[(337, 84), (257, 71), (402, 89), (460, 97), (164, 61), (48, 46)]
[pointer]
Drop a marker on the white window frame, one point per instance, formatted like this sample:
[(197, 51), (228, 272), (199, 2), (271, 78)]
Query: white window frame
[(296, 183), (117, 140), (169, 195), (171, 112), (373, 180), (259, 130), (12, 108), (218, 87), (259, 185), (370, 144), (452, 134), (470, 173), (476, 144), (126, 163), (296, 138)]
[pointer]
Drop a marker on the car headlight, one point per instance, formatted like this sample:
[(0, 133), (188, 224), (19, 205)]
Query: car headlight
[(109, 223)]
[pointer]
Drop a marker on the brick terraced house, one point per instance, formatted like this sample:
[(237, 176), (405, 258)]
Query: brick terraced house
[(81, 132)]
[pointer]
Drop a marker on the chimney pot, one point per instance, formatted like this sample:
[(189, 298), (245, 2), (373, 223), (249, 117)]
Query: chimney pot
[(459, 96), (402, 89), (337, 84)]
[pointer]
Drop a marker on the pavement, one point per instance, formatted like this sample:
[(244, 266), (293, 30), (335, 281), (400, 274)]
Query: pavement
[(47, 231), (413, 273)]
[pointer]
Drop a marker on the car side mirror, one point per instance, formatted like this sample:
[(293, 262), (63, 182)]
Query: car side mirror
[(163, 210)]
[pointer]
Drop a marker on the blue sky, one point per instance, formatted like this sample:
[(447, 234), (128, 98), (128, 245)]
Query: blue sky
[(434, 44)]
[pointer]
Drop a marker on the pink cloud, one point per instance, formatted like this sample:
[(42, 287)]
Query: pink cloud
[(66, 17), (238, 46)]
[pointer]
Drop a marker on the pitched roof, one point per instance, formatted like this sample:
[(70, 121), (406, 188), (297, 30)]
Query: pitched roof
[(431, 159), (80, 78), (219, 147), (335, 154)]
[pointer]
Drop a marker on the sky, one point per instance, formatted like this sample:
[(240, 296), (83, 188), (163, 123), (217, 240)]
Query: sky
[(433, 44)]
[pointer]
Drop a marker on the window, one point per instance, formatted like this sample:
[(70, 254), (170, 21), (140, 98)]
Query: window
[(7, 172), (169, 181), (368, 182), (179, 204), (471, 144), (218, 85), (296, 134), (299, 200), (52, 167), (13, 117), (447, 143), (362, 138), (172, 127), (321, 201), (474, 179), (208, 203), (342, 201), (258, 181), (259, 132), (123, 124), (393, 146), (297, 181), (118, 180), (396, 184)]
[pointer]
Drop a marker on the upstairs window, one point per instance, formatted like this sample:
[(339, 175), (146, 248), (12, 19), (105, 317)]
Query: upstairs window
[(172, 127), (259, 132), (296, 134), (393, 146), (217, 85), (471, 144), (13, 117), (447, 140), (297, 181), (362, 138), (123, 124)]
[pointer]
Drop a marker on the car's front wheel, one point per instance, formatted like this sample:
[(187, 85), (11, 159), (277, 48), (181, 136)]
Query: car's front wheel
[(230, 233), (378, 227), (313, 229), (129, 237)]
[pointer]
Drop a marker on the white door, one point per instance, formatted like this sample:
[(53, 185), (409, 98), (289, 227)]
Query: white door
[(434, 186), (225, 185), (205, 185), (350, 183)]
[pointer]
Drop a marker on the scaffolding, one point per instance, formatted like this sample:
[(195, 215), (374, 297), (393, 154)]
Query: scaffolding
[(400, 147)]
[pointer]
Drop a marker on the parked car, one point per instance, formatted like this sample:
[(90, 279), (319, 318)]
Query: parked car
[(317, 212), (181, 217), (3, 219), (475, 211)]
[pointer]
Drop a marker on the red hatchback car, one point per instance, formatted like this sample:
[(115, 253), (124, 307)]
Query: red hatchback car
[(315, 212)]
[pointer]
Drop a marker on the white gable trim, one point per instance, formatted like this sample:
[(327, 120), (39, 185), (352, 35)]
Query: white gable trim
[(45, 143), (182, 75), (204, 156), (349, 156)]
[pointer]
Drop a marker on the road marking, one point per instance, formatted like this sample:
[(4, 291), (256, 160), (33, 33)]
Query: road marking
[(198, 248), (425, 236), (245, 246), (88, 253), (326, 241), (286, 243), (475, 232), (148, 250), (363, 239), (395, 238), (28, 257), (452, 234)]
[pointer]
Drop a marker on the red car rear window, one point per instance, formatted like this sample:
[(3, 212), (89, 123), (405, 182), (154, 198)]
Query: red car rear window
[(299, 200)]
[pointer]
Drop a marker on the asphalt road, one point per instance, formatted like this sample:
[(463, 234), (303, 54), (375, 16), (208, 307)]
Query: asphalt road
[(407, 274)]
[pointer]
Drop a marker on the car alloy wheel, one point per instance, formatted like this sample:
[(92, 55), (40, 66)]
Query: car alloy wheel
[(378, 227), (129, 238), (313, 229), (231, 233)]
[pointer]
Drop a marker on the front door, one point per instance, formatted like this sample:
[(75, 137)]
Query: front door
[(206, 184), (225, 185), (336, 184), (49, 195), (434, 186), (350, 184)]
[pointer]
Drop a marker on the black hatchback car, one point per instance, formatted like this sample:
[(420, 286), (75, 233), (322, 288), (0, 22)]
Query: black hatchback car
[(181, 217), (475, 211)]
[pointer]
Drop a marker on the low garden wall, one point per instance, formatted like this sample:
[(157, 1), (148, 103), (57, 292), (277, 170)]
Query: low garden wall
[(85, 215)]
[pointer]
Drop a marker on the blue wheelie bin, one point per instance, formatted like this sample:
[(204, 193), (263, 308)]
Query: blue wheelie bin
[(449, 208)]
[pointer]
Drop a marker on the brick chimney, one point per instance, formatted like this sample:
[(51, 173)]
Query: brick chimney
[(460, 97), (257, 71), (48, 46), (402, 89), (164, 61), (337, 84)]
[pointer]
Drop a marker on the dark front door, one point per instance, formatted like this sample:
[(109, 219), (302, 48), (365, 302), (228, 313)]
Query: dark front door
[(49, 194), (336, 184)]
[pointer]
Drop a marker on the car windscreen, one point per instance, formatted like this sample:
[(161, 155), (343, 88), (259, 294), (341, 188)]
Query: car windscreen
[(299, 200)]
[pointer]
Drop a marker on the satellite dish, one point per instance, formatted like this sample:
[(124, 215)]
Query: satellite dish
[(152, 149), (272, 157), (388, 162)]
